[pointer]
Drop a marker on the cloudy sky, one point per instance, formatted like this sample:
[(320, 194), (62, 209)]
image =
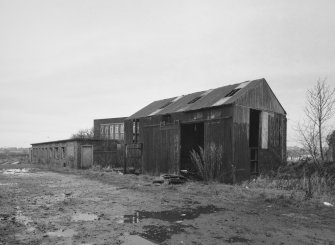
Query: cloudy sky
[(65, 62)]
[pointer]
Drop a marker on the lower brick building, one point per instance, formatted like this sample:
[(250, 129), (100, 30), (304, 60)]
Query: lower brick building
[(75, 153)]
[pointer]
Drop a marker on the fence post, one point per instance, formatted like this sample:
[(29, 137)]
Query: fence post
[(125, 158)]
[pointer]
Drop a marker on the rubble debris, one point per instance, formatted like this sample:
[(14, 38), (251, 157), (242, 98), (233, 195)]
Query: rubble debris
[(328, 204), (174, 179), (190, 175), (158, 181), (67, 194)]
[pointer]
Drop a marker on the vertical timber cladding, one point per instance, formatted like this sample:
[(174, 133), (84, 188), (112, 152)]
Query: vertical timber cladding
[(241, 142), (218, 135), (270, 158), (161, 148)]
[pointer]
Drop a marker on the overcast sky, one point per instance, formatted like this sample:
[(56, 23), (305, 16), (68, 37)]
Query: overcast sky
[(65, 63)]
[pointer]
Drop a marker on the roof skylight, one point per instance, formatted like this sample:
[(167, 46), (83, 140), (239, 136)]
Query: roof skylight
[(234, 91), (194, 100), (166, 104)]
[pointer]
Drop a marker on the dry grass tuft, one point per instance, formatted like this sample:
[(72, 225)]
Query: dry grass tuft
[(210, 164), (301, 180)]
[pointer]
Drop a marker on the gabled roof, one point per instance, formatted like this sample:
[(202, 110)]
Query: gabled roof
[(196, 101)]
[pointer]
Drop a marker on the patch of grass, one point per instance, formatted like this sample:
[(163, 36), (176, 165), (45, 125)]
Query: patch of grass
[(303, 181), (210, 164)]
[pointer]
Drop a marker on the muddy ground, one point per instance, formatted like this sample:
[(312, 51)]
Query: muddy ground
[(40, 206)]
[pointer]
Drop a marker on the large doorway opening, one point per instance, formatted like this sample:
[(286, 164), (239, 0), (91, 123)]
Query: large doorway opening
[(254, 140), (192, 138)]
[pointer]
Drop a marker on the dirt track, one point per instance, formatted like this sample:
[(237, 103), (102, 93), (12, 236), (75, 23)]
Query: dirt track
[(87, 207)]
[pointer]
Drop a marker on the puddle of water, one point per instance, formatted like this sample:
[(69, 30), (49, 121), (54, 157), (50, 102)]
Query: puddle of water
[(160, 234), (84, 217), (136, 240), (62, 233), (234, 239), (16, 171), (175, 215)]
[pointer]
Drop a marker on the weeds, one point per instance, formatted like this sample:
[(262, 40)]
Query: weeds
[(302, 179), (209, 163)]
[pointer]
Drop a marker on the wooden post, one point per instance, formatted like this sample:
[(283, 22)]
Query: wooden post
[(125, 158)]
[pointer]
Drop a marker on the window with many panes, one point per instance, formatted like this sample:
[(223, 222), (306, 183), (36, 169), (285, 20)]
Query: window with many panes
[(114, 131)]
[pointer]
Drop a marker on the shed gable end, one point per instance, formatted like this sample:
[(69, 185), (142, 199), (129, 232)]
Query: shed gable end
[(260, 96)]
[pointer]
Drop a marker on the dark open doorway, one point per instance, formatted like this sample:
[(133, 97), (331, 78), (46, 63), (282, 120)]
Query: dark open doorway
[(254, 140), (192, 138)]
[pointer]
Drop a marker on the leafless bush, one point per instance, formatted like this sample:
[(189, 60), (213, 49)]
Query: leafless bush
[(319, 109), (84, 134)]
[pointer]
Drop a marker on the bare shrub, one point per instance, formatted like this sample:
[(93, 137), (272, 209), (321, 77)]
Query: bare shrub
[(319, 109), (84, 134)]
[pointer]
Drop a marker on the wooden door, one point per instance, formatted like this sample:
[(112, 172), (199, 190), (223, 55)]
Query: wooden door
[(86, 156), (161, 146)]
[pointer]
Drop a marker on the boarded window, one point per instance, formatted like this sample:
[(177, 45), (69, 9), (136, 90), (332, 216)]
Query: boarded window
[(56, 153), (63, 153), (265, 129)]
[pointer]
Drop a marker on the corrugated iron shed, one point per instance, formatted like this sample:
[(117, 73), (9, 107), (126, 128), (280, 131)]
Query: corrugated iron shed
[(196, 101)]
